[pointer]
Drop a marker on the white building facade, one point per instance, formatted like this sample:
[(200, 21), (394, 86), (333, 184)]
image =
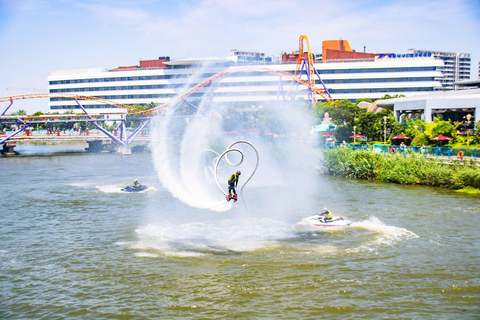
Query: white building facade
[(456, 66), (349, 79)]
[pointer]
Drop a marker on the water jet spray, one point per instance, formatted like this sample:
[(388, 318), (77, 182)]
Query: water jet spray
[(225, 154)]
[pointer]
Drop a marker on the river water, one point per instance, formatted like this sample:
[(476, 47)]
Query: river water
[(72, 245)]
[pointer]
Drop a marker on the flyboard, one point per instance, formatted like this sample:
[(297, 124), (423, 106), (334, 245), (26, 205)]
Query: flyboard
[(225, 153)]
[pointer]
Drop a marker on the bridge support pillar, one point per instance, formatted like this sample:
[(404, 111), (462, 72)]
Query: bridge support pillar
[(125, 150), (96, 146), (9, 148)]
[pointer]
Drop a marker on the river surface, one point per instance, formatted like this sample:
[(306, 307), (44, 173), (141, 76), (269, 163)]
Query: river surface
[(73, 246)]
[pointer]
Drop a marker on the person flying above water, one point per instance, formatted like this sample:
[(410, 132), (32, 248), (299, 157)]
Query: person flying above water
[(232, 183), (325, 215)]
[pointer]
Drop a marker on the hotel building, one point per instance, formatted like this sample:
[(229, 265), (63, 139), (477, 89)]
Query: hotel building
[(346, 74)]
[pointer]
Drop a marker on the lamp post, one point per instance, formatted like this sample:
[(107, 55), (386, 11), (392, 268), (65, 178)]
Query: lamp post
[(385, 130), (469, 117), (354, 133)]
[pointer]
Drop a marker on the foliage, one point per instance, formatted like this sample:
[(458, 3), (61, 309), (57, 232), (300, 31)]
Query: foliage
[(400, 169), (20, 113), (346, 163), (346, 115), (363, 99), (419, 140), (342, 111), (387, 96), (343, 132)]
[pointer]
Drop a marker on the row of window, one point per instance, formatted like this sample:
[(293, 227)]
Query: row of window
[(381, 90), (236, 94), (90, 106), (100, 106), (236, 84), (207, 75)]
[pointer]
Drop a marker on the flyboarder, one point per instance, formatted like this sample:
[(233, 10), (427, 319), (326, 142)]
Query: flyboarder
[(232, 183)]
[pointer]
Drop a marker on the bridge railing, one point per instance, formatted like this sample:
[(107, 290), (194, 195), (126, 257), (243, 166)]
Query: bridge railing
[(68, 132)]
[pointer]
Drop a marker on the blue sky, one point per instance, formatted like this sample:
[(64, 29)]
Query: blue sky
[(40, 36)]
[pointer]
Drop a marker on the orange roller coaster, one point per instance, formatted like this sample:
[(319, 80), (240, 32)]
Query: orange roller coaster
[(69, 96), (310, 59), (294, 77)]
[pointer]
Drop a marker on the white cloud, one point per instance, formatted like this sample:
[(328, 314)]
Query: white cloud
[(216, 26)]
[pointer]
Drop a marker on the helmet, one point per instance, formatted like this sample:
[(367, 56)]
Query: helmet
[(135, 180), (325, 209), (239, 173)]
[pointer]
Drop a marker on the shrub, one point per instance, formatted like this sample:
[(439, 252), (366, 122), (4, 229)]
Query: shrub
[(414, 169)]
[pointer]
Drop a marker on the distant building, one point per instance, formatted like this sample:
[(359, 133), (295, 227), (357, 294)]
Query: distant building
[(456, 66), (347, 75), (453, 105)]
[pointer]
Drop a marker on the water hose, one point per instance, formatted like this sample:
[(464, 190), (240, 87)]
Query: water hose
[(225, 154)]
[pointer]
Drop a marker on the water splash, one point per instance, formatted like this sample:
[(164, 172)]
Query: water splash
[(386, 236), (180, 138), (203, 238), (180, 163)]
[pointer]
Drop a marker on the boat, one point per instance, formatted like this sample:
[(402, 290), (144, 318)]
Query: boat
[(316, 222), (134, 188)]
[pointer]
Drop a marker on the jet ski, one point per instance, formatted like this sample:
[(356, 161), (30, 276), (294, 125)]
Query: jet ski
[(317, 222), (134, 188)]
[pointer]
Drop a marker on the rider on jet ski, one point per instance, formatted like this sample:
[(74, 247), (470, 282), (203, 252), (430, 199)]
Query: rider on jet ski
[(325, 215), (136, 183)]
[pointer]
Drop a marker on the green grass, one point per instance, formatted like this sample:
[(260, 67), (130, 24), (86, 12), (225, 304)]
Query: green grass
[(470, 190)]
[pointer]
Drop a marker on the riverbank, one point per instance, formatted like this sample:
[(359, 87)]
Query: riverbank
[(411, 170)]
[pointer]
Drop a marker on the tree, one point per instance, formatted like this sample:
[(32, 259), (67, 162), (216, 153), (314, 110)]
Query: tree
[(340, 112), (343, 132), (387, 96), (369, 125), (363, 99), (20, 113)]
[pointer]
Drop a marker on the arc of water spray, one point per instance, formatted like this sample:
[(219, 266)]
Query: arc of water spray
[(214, 160), (225, 154)]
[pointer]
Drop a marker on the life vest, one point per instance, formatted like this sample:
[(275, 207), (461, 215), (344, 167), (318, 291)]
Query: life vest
[(233, 178), (329, 215)]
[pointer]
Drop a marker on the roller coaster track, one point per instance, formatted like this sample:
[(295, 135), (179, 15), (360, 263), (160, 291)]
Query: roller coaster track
[(231, 70), (295, 78), (310, 58), (69, 96)]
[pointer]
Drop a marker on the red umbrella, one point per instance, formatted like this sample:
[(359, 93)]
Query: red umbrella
[(400, 137), (358, 136), (441, 138), (328, 135)]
